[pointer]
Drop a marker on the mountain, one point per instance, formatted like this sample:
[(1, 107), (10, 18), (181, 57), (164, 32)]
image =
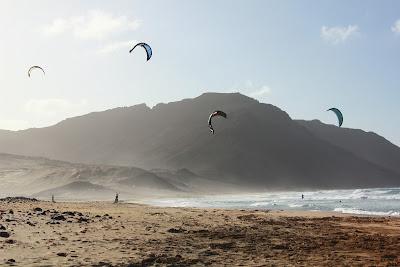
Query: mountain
[(257, 147), (366, 145)]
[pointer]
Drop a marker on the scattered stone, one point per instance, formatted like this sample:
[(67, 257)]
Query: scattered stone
[(209, 253), (223, 245), (69, 213), (4, 234), (10, 261), (10, 241), (18, 199), (11, 211), (83, 219), (30, 223), (280, 246), (37, 209), (58, 217), (62, 254), (2, 227), (102, 264), (176, 230), (389, 257)]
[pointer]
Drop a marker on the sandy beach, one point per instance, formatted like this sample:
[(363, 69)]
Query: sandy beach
[(36, 233)]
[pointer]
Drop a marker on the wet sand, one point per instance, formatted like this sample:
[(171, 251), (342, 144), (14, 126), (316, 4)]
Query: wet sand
[(106, 234)]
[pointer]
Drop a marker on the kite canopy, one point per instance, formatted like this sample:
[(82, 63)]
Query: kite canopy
[(212, 115), (146, 47), (35, 67), (338, 114)]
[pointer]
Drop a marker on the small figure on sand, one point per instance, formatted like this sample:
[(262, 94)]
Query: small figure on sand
[(116, 198), (302, 196), (52, 199)]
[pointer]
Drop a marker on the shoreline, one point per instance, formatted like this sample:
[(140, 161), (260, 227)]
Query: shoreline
[(106, 234)]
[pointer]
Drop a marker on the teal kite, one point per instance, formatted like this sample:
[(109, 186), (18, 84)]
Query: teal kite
[(338, 114)]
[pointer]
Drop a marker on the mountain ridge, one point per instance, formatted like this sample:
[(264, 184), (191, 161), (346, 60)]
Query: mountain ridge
[(258, 146)]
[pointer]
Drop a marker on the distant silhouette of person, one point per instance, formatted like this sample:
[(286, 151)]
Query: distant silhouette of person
[(52, 199), (116, 198), (302, 196)]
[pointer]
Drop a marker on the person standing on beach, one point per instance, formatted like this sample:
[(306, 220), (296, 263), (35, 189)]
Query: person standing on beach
[(116, 198), (302, 196)]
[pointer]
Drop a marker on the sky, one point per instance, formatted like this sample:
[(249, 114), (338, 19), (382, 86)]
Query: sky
[(302, 56)]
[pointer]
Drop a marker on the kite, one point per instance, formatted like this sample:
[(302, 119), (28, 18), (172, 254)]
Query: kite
[(146, 47), (212, 115), (35, 67), (338, 114)]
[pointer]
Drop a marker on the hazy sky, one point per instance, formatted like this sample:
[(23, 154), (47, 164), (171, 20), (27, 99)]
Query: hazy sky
[(302, 56)]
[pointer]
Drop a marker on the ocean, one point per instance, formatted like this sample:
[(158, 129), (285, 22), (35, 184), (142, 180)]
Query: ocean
[(372, 201)]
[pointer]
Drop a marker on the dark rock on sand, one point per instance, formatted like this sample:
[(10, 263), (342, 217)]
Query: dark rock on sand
[(223, 245), (37, 209), (176, 230), (62, 254), (102, 264), (18, 199), (4, 234), (2, 227), (69, 213), (58, 217), (83, 219)]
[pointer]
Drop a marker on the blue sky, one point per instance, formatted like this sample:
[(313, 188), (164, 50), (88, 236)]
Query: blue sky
[(302, 56)]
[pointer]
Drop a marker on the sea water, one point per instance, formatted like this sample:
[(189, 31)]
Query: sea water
[(373, 201)]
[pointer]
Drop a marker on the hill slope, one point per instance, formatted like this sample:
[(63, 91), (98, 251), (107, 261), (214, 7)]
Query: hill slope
[(22, 175), (366, 145)]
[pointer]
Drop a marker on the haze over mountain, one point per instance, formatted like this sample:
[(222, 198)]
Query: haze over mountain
[(257, 146)]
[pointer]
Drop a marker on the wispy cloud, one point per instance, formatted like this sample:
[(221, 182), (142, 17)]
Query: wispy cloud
[(256, 90), (396, 27), (114, 46), (95, 25), (54, 106), (337, 35), (14, 124), (261, 92)]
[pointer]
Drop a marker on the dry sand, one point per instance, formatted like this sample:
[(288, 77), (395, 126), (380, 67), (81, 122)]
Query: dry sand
[(105, 234)]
